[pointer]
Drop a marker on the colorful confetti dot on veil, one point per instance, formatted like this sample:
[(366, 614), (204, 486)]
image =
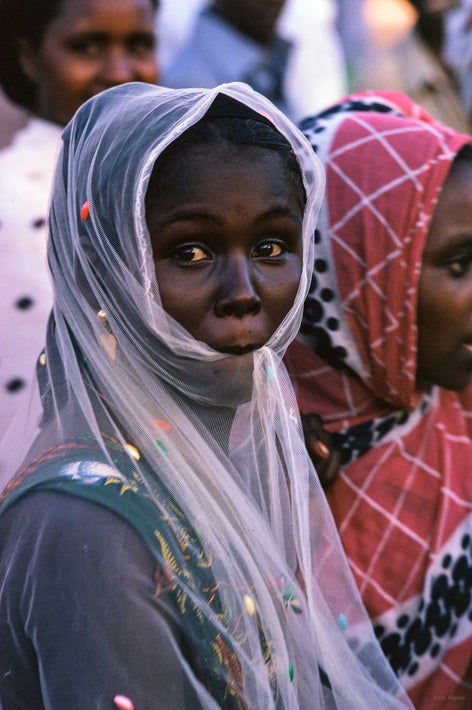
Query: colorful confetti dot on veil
[(84, 212), (291, 672), (291, 600), (162, 424), (123, 703), (270, 374), (266, 115), (160, 444), (342, 621)]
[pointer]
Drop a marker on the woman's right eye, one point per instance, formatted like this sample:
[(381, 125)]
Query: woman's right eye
[(86, 47), (190, 254)]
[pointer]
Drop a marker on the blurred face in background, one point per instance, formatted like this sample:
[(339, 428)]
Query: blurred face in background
[(90, 46)]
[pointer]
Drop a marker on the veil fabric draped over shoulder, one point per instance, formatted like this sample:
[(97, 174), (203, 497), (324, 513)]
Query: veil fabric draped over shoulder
[(133, 413)]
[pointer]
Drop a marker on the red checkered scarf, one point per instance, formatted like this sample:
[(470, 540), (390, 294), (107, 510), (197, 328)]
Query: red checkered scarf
[(403, 502)]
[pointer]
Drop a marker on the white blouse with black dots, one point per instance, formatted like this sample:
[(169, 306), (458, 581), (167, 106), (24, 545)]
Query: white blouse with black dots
[(26, 171)]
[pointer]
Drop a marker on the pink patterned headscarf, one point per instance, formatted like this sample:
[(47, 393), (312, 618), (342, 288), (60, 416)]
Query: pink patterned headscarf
[(403, 501)]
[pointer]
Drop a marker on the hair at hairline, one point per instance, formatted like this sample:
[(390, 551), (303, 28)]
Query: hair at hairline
[(233, 130)]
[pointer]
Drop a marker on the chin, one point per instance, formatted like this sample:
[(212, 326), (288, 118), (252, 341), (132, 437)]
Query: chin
[(458, 387), (453, 375), (233, 379), (451, 384)]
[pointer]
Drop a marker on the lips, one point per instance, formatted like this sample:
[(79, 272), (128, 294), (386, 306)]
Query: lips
[(239, 349)]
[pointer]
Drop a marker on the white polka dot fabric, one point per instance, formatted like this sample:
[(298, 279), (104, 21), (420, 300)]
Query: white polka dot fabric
[(26, 170)]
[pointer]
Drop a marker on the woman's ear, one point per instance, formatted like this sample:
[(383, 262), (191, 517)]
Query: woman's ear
[(28, 59)]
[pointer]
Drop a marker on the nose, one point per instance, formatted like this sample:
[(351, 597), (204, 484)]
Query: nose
[(237, 295), (118, 68)]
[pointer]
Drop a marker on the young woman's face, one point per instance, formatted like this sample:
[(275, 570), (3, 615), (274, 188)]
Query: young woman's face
[(445, 290), (226, 232), (90, 46)]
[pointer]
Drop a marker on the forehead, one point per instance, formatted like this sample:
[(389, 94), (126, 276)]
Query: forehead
[(194, 169), (83, 13), (453, 214)]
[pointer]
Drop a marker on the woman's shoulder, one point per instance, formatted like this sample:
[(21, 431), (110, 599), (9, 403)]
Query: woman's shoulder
[(43, 517), (50, 534), (67, 467), (80, 485), (73, 482)]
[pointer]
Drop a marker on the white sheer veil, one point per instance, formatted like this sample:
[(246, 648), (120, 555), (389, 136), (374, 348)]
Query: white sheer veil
[(234, 463)]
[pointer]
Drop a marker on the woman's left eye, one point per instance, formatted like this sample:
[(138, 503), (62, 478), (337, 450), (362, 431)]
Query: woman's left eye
[(460, 266), (190, 254), (269, 249), (142, 44)]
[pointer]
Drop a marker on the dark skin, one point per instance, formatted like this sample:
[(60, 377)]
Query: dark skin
[(445, 289), (228, 261), (257, 20)]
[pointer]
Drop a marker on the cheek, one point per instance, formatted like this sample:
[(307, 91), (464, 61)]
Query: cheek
[(65, 77), (281, 294), (147, 71), (444, 322), (183, 299), (441, 304), (433, 298)]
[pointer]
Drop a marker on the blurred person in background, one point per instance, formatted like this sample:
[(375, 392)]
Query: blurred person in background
[(289, 50), (354, 31), (414, 64), (457, 48), (54, 55)]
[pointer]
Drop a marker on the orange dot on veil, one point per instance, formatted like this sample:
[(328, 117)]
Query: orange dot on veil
[(162, 424)]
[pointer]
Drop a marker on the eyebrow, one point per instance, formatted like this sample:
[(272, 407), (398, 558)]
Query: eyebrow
[(459, 241), (282, 212), (450, 247), (203, 216), (100, 36)]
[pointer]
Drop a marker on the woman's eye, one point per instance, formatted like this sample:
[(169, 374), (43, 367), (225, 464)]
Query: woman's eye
[(460, 266), (269, 249), (190, 254), (142, 44), (88, 48)]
